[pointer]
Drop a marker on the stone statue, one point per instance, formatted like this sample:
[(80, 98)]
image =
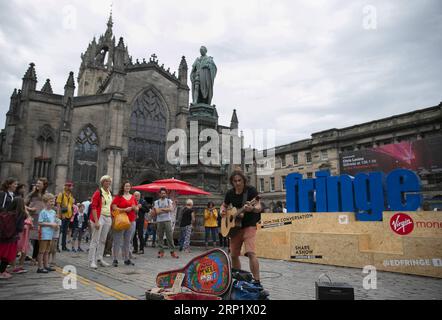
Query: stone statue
[(203, 76)]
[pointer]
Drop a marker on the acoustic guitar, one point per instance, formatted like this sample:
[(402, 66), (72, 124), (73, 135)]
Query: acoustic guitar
[(231, 222)]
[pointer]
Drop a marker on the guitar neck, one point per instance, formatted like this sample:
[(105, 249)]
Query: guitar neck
[(252, 203)]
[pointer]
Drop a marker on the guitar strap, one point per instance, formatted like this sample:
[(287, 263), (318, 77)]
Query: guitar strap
[(244, 197)]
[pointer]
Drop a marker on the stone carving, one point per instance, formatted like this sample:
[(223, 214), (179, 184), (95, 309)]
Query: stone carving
[(203, 77)]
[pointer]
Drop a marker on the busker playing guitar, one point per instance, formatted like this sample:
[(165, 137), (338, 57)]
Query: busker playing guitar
[(240, 196)]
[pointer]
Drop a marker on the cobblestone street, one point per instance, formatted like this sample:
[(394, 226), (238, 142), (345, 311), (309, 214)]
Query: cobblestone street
[(284, 280)]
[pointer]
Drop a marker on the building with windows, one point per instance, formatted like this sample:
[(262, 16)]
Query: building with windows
[(324, 151), (116, 124)]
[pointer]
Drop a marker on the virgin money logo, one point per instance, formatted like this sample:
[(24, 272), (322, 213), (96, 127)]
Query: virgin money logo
[(402, 224)]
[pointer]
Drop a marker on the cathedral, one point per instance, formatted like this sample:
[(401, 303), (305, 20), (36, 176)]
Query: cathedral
[(116, 124)]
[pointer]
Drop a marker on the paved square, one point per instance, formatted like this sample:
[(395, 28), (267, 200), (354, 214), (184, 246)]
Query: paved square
[(284, 280)]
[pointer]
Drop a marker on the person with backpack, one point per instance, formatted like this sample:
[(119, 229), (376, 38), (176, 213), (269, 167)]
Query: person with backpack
[(11, 224), (65, 207), (101, 222), (162, 210)]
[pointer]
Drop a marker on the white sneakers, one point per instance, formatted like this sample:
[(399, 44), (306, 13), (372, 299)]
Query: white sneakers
[(103, 263)]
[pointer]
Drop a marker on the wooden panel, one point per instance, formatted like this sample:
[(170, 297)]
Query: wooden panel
[(342, 241)]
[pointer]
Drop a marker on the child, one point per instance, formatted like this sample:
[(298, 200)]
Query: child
[(23, 245), (54, 242), (46, 222), (80, 226)]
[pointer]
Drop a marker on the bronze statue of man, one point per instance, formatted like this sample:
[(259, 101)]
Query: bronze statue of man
[(203, 76)]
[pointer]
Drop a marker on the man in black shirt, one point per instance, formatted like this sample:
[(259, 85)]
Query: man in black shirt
[(238, 197), (139, 231)]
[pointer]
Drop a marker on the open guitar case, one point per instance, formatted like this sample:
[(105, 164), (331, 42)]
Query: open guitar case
[(205, 277)]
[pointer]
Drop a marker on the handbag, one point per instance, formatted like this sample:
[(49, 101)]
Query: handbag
[(121, 220), (64, 210), (8, 225)]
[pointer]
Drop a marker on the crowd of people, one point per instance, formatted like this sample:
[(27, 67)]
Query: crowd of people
[(36, 226)]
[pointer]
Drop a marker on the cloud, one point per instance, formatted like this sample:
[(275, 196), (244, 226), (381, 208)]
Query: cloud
[(294, 66)]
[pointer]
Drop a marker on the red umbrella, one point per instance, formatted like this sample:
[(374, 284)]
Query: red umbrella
[(181, 187), (171, 181)]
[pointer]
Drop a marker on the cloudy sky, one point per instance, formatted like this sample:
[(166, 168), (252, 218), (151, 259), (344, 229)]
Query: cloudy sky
[(294, 66)]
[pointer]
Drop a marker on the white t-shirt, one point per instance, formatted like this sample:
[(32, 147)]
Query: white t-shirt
[(86, 204), (161, 204)]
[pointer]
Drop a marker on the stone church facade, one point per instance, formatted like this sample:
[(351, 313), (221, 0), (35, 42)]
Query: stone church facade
[(117, 124)]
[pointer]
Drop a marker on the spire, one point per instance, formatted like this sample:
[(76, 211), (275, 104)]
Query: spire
[(14, 94), (30, 73), (110, 24), (183, 64), (121, 43), (47, 87), (182, 71), (69, 88), (120, 55), (29, 80), (234, 122), (70, 83)]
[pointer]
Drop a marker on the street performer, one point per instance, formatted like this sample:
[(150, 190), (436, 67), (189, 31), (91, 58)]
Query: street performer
[(239, 197)]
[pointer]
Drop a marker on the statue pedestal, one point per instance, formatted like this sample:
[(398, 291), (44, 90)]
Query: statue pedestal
[(204, 114)]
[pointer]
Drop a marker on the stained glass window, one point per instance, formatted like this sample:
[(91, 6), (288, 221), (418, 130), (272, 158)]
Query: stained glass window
[(147, 132), (86, 156)]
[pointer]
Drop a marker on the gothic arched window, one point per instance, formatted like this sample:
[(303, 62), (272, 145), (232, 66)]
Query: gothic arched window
[(43, 153), (86, 156), (147, 131)]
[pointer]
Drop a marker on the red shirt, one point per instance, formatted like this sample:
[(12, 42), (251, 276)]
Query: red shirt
[(122, 203)]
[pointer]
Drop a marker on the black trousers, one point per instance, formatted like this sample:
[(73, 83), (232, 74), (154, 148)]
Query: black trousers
[(223, 241), (64, 231), (139, 233), (35, 249), (3, 266)]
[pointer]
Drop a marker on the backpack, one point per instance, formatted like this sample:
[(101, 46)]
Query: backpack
[(245, 288), (8, 225)]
